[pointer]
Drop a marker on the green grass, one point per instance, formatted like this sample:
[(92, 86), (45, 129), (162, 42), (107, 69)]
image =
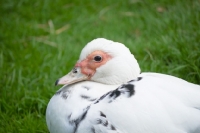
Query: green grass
[(41, 40)]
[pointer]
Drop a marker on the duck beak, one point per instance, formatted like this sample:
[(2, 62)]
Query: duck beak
[(73, 76)]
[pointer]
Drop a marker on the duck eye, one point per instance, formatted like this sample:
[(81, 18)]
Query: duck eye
[(98, 58)]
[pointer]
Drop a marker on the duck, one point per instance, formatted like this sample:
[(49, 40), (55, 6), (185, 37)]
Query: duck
[(106, 92)]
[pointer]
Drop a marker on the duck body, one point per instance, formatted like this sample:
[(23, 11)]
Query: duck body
[(105, 93), (66, 107), (153, 103), (160, 104)]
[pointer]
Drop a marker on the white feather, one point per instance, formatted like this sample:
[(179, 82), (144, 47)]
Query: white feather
[(160, 104), (59, 108)]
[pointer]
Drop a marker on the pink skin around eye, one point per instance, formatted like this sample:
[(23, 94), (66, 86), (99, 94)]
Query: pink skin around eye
[(88, 66)]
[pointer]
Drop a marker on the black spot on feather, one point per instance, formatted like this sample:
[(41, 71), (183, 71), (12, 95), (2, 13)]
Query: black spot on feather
[(58, 92), (102, 114), (131, 81), (99, 121), (88, 98), (130, 89), (112, 127), (75, 123), (64, 95), (105, 123), (69, 116), (139, 78), (102, 122), (93, 130), (115, 94), (86, 87), (85, 97), (102, 97)]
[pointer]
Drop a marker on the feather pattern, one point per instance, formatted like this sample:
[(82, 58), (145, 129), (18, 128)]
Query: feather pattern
[(155, 107), (118, 99)]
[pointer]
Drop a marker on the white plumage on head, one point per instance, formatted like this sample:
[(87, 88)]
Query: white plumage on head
[(113, 48), (121, 68)]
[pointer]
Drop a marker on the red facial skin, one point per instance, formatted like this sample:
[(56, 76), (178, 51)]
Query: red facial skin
[(89, 65)]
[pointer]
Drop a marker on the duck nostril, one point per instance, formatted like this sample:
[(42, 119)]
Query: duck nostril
[(74, 70)]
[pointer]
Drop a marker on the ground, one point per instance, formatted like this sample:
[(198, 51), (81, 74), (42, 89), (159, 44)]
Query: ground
[(40, 41)]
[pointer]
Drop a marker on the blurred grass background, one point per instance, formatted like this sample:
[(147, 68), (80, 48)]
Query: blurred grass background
[(41, 40)]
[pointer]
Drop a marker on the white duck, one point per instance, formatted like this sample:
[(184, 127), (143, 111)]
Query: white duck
[(148, 103)]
